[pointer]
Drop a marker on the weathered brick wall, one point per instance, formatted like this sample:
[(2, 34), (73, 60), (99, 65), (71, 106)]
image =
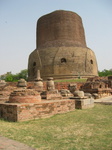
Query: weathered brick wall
[(8, 111), (21, 112), (64, 85), (12, 84), (58, 85), (25, 96)]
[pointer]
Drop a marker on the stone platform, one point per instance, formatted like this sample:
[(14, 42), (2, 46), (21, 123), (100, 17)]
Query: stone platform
[(29, 111), (83, 103), (104, 100)]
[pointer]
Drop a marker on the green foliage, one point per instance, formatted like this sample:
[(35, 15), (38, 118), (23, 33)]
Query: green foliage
[(15, 77), (9, 78), (105, 73), (23, 74)]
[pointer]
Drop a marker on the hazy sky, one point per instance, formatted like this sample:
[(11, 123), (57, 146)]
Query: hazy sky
[(18, 29)]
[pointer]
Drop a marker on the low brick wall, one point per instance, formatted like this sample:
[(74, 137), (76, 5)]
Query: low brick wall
[(64, 85), (23, 112), (58, 85)]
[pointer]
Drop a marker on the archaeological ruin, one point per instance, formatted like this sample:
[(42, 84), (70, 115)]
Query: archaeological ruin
[(98, 86), (61, 50), (39, 99)]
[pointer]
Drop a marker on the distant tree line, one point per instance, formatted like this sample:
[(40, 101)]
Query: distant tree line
[(105, 73), (9, 77)]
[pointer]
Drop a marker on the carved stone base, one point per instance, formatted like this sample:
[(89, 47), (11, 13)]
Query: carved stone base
[(51, 95), (24, 96)]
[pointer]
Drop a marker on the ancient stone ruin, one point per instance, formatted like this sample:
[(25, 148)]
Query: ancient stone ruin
[(5, 91), (98, 87), (24, 96), (26, 103), (51, 93), (61, 50), (110, 83), (38, 84), (23, 103)]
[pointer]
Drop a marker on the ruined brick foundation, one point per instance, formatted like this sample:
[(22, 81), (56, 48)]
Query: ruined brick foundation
[(27, 111)]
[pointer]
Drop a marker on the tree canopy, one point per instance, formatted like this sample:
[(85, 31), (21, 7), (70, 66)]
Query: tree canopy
[(9, 77), (105, 73)]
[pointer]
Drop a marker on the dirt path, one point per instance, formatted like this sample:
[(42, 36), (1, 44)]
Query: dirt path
[(8, 144), (104, 100)]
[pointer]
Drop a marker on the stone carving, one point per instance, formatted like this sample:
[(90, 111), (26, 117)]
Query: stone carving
[(5, 91), (79, 94), (2, 83), (38, 84), (72, 87), (22, 83), (51, 93), (61, 50), (66, 93), (97, 86), (50, 84)]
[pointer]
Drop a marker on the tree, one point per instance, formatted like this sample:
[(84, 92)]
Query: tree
[(23, 74), (9, 77), (105, 73)]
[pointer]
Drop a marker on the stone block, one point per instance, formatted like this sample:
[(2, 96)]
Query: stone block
[(51, 95), (84, 103)]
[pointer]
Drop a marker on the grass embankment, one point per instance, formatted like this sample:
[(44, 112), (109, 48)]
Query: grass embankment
[(71, 80), (89, 129)]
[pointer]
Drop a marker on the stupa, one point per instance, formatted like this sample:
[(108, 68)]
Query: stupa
[(61, 50)]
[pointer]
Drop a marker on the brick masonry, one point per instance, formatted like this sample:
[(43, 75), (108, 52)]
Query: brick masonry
[(24, 112), (24, 96), (61, 45), (58, 85)]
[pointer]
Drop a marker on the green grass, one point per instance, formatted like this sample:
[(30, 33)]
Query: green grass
[(89, 129), (71, 80)]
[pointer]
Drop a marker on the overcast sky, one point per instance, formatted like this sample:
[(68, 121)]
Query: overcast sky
[(18, 29)]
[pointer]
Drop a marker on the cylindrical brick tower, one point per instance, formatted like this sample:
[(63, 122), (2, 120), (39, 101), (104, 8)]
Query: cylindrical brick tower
[(61, 50), (60, 28)]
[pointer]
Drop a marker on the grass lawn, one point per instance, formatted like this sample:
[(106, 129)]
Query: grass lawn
[(71, 80), (89, 129)]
